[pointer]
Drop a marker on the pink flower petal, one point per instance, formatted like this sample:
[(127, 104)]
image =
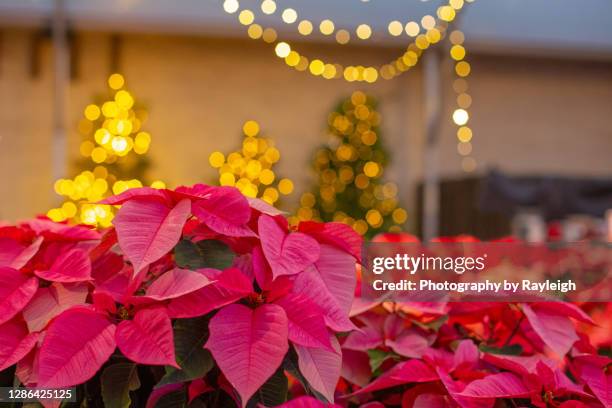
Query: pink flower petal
[(411, 371), (334, 233), (135, 193), (148, 229), (287, 254), (321, 367), (15, 255), (306, 402), (16, 290), (71, 266), (77, 343), (502, 385), (248, 345), (148, 338)]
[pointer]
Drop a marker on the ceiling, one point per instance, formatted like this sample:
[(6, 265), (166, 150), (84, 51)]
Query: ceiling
[(562, 28)]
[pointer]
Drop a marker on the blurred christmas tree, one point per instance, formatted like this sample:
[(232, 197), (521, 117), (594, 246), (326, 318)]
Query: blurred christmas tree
[(349, 168), (251, 169), (112, 150)]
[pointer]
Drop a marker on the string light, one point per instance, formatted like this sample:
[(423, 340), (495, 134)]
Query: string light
[(114, 142), (250, 169), (460, 115)]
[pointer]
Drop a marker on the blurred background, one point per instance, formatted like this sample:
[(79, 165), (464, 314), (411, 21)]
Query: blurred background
[(431, 117)]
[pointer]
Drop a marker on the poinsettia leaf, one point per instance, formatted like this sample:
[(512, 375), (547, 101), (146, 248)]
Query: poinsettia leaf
[(16, 290), (77, 343), (254, 350), (334, 233), (307, 402), (286, 253), (226, 211), (173, 399), (15, 342), (195, 361), (502, 385), (556, 331), (377, 358), (149, 229), (321, 367), (117, 381), (51, 301), (176, 283), (70, 266), (217, 255), (147, 338), (411, 371), (272, 393), (511, 349)]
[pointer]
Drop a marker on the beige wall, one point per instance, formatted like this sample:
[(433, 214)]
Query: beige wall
[(528, 115)]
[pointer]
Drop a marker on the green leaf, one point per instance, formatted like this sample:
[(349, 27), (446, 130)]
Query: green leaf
[(117, 382), (208, 253), (217, 255), (510, 350), (188, 255), (273, 392), (377, 358), (174, 399), (195, 361)]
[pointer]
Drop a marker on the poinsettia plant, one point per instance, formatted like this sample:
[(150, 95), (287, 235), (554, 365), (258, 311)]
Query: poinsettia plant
[(202, 297)]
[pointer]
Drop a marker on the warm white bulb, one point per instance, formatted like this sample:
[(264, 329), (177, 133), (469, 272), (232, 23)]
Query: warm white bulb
[(231, 6)]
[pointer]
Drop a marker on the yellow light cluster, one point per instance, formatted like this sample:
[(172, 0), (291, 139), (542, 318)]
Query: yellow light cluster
[(350, 168), (461, 116), (328, 27), (113, 129), (430, 30), (250, 169)]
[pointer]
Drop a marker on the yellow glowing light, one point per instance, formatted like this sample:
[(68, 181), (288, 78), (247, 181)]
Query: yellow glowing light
[(307, 200), (395, 28), (428, 22), (464, 134), (370, 74), (371, 169), (86, 148), (119, 144), (446, 13), (285, 186), (98, 155), (289, 16), (412, 28), (270, 195), (433, 35), (124, 99), (464, 100), (250, 128), (110, 109), (374, 218), (282, 49), (329, 71), (216, 159), (368, 138), (457, 52), (272, 155), (460, 117), (55, 214), (266, 177), (92, 112), (269, 35), (363, 31), (227, 179), (305, 27), (456, 4), (255, 31), (116, 81), (421, 42), (399, 216), (246, 17), (69, 209), (268, 6), (462, 68), (362, 181), (292, 59), (326, 27), (317, 67), (343, 37), (360, 227)]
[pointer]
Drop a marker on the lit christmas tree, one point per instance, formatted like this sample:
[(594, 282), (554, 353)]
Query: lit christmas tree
[(350, 188), (113, 153), (251, 169)]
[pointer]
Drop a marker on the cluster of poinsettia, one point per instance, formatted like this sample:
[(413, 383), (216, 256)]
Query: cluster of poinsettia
[(201, 297), (183, 275)]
